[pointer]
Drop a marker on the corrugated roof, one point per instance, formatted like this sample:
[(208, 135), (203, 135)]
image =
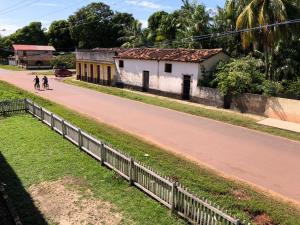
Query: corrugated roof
[(33, 48), (179, 55)]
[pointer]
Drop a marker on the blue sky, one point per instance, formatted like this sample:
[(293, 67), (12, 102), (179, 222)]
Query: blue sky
[(15, 14)]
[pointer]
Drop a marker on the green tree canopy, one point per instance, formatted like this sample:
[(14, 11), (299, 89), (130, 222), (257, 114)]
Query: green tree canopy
[(31, 34), (96, 25), (59, 36)]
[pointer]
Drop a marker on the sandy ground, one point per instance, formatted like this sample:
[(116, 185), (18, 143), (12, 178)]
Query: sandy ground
[(62, 203), (266, 161)]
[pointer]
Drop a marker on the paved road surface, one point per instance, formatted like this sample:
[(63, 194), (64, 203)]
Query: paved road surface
[(264, 160)]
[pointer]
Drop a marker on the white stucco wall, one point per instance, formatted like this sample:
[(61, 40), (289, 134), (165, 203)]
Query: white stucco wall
[(132, 73), (160, 80)]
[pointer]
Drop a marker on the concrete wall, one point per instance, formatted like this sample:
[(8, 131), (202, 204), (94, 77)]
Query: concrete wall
[(209, 96), (283, 109), (272, 107)]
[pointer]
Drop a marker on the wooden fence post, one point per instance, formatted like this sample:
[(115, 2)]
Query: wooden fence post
[(131, 171), (26, 104), (103, 154), (63, 127), (52, 121), (33, 109), (79, 138), (173, 197), (42, 115)]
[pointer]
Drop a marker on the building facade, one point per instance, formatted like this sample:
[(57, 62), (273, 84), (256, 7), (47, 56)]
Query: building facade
[(170, 72), (32, 56), (96, 65)]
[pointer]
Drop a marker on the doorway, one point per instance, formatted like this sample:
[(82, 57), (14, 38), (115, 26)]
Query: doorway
[(92, 73), (186, 88), (98, 74), (145, 81), (108, 75)]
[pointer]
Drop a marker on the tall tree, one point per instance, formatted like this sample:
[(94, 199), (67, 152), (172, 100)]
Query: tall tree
[(119, 24), (194, 21), (59, 36), (134, 36), (154, 23), (90, 26), (31, 34), (261, 13)]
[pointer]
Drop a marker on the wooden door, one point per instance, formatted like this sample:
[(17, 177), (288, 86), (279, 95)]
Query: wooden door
[(145, 81), (186, 87)]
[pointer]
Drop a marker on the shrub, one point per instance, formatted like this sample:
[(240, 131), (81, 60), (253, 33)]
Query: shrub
[(239, 76), (272, 88), (293, 89), (67, 61)]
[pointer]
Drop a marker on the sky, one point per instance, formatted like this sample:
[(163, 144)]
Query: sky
[(15, 14)]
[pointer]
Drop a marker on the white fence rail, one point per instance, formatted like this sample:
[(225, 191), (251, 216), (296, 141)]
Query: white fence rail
[(161, 188)]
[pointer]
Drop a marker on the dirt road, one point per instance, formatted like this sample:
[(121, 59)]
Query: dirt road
[(267, 161)]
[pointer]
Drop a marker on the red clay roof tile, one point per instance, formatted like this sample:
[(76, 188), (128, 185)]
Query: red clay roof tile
[(179, 55)]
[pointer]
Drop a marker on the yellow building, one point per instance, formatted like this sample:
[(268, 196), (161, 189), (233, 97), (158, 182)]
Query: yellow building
[(96, 65)]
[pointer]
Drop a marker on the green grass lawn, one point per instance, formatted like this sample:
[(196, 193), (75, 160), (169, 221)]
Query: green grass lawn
[(42, 155), (242, 200), (227, 117), (9, 67)]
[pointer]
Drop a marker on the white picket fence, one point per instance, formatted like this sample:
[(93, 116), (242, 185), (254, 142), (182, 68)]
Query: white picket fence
[(171, 194)]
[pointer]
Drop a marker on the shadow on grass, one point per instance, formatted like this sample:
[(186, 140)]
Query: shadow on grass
[(19, 197)]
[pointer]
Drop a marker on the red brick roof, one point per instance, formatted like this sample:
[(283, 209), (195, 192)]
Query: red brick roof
[(33, 48), (179, 55)]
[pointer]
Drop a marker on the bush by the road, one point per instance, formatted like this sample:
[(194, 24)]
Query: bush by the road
[(66, 61)]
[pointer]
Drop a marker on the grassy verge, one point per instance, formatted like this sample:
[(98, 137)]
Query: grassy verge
[(42, 155), (227, 117), (42, 73), (240, 199), (13, 68)]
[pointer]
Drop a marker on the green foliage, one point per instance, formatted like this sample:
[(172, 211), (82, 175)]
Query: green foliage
[(272, 88), (67, 61), (59, 36), (194, 21), (293, 89), (239, 76), (134, 36), (31, 34), (96, 25)]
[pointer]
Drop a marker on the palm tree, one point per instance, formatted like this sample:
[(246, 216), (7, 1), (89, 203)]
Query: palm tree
[(261, 13), (133, 36)]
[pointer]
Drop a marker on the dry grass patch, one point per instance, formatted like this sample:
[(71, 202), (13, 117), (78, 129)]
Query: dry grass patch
[(68, 201)]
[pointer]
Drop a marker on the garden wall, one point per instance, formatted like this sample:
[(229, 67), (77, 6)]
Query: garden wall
[(208, 96), (272, 107)]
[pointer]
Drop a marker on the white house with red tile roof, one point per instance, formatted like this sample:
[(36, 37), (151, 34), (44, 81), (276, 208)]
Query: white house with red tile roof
[(171, 72), (33, 56)]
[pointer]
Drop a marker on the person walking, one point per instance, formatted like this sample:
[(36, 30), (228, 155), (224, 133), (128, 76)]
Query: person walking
[(36, 83)]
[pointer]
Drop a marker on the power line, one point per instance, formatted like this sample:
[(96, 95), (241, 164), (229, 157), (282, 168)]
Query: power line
[(228, 33), (20, 6), (13, 6)]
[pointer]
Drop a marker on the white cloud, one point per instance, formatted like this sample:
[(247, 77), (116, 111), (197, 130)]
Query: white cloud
[(145, 4)]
